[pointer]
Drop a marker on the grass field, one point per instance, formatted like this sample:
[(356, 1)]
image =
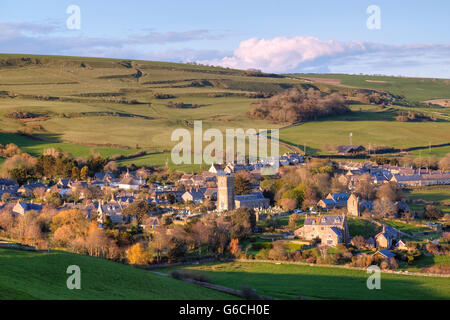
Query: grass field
[(405, 227), (415, 89), (292, 281), (361, 227), (74, 99), (425, 261), (30, 275), (440, 195), (370, 126)]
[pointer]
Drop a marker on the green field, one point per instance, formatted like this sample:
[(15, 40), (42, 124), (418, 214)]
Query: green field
[(361, 227), (414, 89), (73, 98), (292, 281), (439, 195), (30, 275), (370, 125)]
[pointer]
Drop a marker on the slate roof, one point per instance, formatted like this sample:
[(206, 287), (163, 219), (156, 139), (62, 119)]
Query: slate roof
[(324, 220), (8, 182), (414, 177), (386, 253), (129, 181)]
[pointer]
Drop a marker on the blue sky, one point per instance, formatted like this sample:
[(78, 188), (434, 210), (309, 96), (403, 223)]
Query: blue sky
[(274, 36)]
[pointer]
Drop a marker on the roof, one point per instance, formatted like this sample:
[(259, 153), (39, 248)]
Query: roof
[(196, 195), (413, 177), (327, 201), (250, 197), (324, 220), (386, 253), (29, 206), (388, 232), (432, 176), (339, 197), (210, 191), (337, 231), (8, 182), (129, 181)]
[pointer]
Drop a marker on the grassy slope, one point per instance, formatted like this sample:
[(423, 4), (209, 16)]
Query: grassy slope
[(30, 275), (291, 281)]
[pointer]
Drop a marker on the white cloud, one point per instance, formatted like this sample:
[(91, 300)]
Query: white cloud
[(310, 54)]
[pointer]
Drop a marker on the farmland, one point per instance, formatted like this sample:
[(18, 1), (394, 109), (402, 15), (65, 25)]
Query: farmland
[(120, 107), (285, 281)]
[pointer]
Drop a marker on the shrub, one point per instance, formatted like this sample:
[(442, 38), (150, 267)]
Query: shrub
[(163, 96), (250, 293), (263, 254), (187, 274)]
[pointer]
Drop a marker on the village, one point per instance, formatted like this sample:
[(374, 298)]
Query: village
[(306, 217)]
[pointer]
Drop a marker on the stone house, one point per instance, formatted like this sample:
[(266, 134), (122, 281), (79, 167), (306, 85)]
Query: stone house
[(386, 238), (333, 201), (331, 230), (23, 207)]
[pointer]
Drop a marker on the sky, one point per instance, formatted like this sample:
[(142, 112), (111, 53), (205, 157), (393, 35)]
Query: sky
[(409, 38)]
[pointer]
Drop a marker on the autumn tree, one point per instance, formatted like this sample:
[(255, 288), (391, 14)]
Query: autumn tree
[(160, 241), (201, 234), (389, 191), (293, 219), (137, 255), (433, 212), (234, 248), (243, 222), (288, 204), (278, 251), (69, 223), (384, 208), (84, 173), (365, 188), (359, 242), (444, 163)]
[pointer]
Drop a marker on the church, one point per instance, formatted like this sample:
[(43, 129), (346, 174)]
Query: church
[(227, 200)]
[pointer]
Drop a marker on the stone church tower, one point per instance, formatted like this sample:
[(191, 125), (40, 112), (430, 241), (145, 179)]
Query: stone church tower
[(353, 206), (225, 192)]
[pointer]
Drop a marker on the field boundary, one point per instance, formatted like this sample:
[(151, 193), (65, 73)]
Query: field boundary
[(194, 263), (406, 273)]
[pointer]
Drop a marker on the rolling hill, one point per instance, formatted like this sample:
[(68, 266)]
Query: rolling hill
[(28, 275), (119, 107)]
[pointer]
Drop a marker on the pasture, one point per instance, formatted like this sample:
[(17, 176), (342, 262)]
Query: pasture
[(285, 281), (34, 276), (112, 106)]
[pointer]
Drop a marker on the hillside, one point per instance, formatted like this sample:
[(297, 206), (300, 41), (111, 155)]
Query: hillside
[(32, 275), (120, 107)]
